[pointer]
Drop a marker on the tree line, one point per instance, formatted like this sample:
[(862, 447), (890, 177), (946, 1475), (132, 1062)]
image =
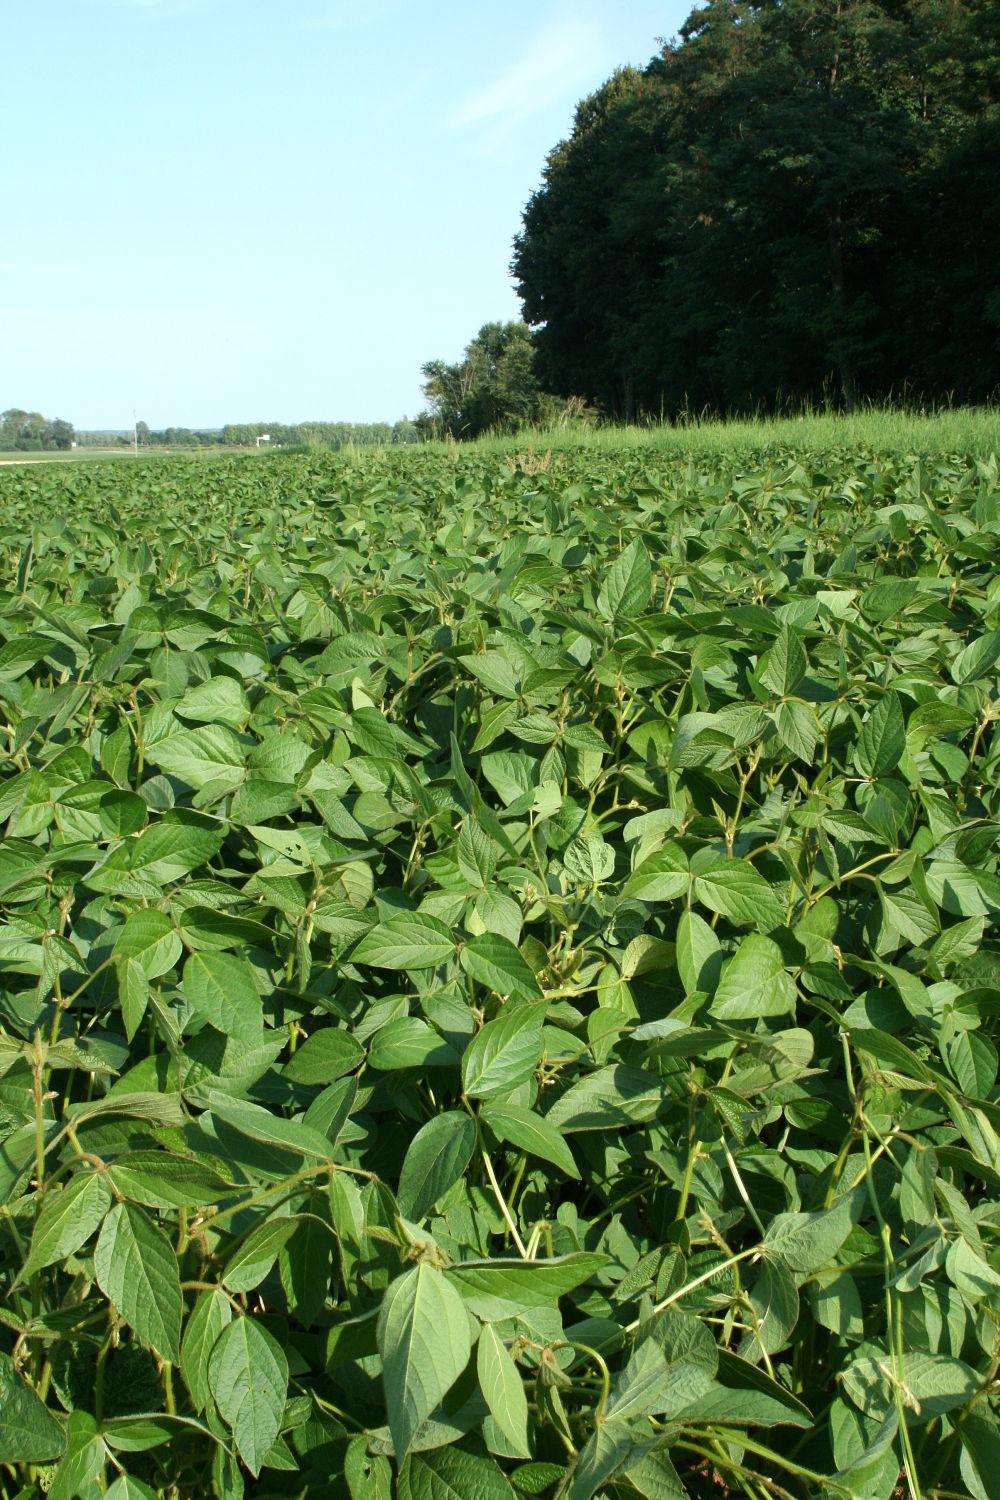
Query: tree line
[(30, 432), (494, 387), (795, 202), (246, 434)]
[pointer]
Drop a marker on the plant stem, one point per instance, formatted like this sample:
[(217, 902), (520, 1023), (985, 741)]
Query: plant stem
[(508, 1217)]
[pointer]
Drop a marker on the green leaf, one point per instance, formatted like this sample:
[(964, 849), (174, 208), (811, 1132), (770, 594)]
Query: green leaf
[(590, 859), (957, 942), (122, 813), (181, 841), (499, 1289), (324, 1057), (611, 1098), (368, 1476), (754, 983), (652, 1384), (808, 1242), (775, 1301), (736, 890), (934, 1383), (974, 1277), (330, 1110), (262, 1125), (533, 1479), (251, 1261), (798, 728), (512, 775), (140, 1433), (741, 1408), (256, 802), (425, 1342), (495, 962), (664, 876), (836, 1304), (896, 1055), (159, 1179), (977, 659), (655, 1477), (136, 1269), (500, 913), (505, 1053), (628, 584), (529, 1132), (411, 940), (68, 1218), (157, 1109), (82, 1461), (882, 740), (494, 671), (451, 1474), (21, 653), (784, 665), (905, 914), (126, 1487), (408, 1042), (212, 1313), (221, 988), (29, 1433), (477, 854), (149, 939), (608, 1449), (248, 1375), (219, 700), (199, 756), (699, 954), (435, 1160), (306, 1260), (980, 1436), (133, 994), (503, 1390)]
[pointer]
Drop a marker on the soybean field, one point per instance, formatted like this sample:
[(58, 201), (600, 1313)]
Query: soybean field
[(499, 975)]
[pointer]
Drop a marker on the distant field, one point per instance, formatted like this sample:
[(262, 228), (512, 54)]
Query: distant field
[(91, 453), (62, 456)]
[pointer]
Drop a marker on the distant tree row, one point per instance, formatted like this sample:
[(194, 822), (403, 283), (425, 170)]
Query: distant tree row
[(30, 432), (245, 435), (364, 434), (796, 201)]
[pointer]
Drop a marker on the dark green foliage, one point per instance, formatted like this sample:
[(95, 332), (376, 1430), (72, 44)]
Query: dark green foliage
[(493, 387), (794, 203), (29, 431), (500, 977)]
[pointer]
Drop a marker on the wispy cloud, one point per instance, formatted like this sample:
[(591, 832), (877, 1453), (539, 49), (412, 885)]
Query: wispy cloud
[(563, 56)]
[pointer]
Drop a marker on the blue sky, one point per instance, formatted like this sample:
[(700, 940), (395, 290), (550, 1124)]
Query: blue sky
[(226, 210)]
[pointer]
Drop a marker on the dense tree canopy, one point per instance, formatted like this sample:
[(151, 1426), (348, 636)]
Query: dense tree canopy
[(796, 200), (28, 431), (491, 388)]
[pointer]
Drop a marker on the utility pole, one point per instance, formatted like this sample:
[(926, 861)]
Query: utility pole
[(135, 434)]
